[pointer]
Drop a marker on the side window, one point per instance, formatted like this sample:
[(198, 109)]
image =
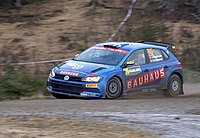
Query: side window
[(155, 55), (138, 57), (165, 55)]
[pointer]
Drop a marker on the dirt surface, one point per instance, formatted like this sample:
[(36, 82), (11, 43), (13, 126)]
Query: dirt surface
[(35, 127), (148, 111)]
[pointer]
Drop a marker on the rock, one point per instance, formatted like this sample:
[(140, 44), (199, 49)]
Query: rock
[(27, 24), (16, 40), (187, 33), (177, 118), (29, 34), (64, 38), (74, 45)]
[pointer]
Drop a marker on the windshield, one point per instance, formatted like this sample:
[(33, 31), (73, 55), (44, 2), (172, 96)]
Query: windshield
[(102, 55)]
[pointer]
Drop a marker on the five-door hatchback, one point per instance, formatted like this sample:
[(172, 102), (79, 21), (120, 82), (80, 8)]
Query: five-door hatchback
[(109, 70)]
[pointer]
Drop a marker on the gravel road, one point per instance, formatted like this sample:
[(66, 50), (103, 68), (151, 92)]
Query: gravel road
[(149, 111)]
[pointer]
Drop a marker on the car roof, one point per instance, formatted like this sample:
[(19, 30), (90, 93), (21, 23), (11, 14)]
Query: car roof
[(129, 45)]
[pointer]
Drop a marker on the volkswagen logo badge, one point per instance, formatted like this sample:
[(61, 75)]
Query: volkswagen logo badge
[(66, 78)]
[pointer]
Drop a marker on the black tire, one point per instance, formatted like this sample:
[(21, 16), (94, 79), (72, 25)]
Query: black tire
[(175, 86), (113, 88), (60, 96)]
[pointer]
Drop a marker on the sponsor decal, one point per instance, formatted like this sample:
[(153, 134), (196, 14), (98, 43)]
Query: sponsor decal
[(75, 65), (132, 70), (146, 78), (112, 49), (156, 58), (68, 73), (153, 56), (150, 52), (84, 94), (91, 85), (87, 94)]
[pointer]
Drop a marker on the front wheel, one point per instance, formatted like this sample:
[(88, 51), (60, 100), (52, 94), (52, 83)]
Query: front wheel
[(175, 86), (113, 88)]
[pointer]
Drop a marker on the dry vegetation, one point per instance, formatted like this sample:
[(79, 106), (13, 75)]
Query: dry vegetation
[(57, 29), (36, 127)]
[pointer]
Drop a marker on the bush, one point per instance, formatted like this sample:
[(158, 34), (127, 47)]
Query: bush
[(191, 76), (24, 2), (150, 32), (11, 3), (15, 84), (191, 59)]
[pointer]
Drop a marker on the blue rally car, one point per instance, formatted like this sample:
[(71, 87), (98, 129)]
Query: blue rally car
[(109, 70)]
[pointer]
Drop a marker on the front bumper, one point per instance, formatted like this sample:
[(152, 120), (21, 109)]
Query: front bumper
[(76, 89)]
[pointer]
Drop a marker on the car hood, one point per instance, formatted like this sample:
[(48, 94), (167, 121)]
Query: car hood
[(79, 68)]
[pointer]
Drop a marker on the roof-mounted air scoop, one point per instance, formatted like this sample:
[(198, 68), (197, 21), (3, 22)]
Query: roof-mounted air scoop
[(115, 45)]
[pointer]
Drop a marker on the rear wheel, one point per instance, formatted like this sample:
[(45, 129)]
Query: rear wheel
[(60, 96), (114, 88), (175, 86)]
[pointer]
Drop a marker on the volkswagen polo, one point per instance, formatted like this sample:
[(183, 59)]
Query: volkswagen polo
[(109, 70)]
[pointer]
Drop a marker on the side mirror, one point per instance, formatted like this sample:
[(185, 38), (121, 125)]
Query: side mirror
[(130, 63)]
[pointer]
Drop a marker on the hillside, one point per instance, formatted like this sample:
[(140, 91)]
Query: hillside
[(57, 29)]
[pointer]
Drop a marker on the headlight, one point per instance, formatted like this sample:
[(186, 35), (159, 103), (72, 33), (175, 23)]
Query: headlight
[(52, 73), (92, 79)]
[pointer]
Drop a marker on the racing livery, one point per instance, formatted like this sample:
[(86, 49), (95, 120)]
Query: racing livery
[(109, 70)]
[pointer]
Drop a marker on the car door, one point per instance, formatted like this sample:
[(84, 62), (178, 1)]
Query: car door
[(134, 73), (157, 67)]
